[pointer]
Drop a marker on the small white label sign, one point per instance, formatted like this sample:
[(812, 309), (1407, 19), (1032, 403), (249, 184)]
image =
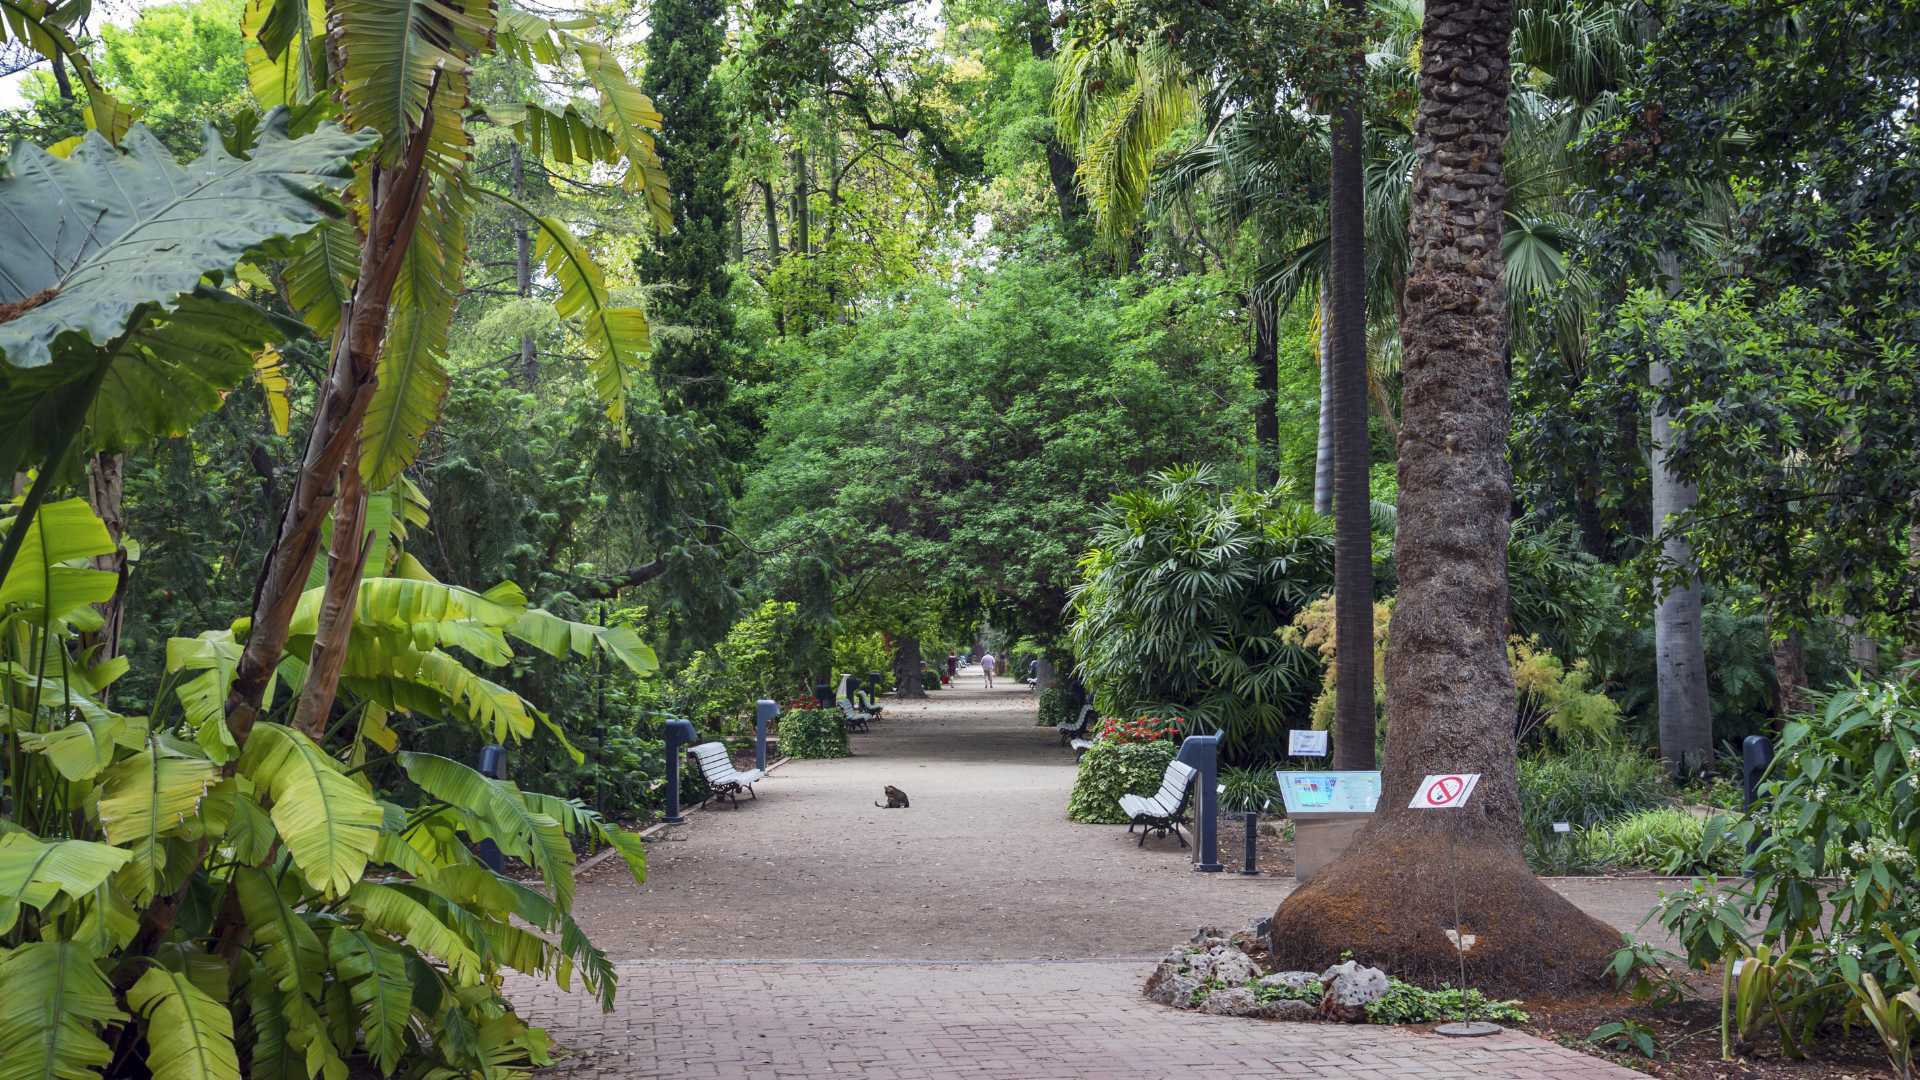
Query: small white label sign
[(1444, 791), (1561, 826), (1306, 743)]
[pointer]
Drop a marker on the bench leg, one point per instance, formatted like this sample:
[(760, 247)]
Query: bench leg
[(751, 795), (1143, 839), (1177, 836)]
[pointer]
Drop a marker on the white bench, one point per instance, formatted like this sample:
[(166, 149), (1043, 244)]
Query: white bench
[(1080, 728), (723, 780), (1165, 809), (855, 719)]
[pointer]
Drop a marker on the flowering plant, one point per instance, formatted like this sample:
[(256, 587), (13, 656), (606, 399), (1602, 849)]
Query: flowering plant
[(1138, 729)]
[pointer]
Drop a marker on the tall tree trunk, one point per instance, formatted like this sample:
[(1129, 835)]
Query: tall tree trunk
[(1789, 671), (907, 666), (772, 212), (106, 490), (62, 82), (523, 262), (1353, 723), (339, 411), (1391, 897), (1323, 450), (1266, 381), (1680, 657), (802, 194)]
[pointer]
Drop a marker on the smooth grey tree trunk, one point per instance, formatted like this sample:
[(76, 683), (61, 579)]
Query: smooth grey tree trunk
[(1679, 653), (1323, 452)]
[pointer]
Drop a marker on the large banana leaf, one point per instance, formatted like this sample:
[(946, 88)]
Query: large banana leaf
[(98, 236), (376, 974), (42, 576), (145, 799), (189, 1032), (394, 909), (291, 950), (499, 806), (319, 277), (34, 872), (81, 749), (330, 826), (404, 57), (55, 1001), (412, 381), (617, 338)]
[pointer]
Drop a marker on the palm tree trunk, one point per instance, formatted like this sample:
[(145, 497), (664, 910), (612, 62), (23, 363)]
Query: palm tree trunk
[(1680, 659), (1450, 694), (1266, 381), (106, 490), (1323, 452), (339, 411), (1346, 364)]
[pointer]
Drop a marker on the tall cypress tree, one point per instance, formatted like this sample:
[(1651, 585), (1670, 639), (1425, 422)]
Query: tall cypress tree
[(692, 370)]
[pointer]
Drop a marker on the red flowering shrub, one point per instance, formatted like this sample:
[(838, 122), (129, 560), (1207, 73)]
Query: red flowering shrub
[(1140, 729)]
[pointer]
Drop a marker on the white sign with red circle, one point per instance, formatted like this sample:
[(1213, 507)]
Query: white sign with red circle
[(1444, 791)]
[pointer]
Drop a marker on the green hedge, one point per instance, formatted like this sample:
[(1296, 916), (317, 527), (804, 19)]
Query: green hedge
[(813, 733), (1109, 770), (1053, 708)]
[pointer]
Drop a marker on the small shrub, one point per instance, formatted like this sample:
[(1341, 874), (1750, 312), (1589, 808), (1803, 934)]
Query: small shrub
[(1405, 1003), (1248, 789), (1270, 992), (813, 733), (1109, 770), (1671, 841), (1590, 785), (1053, 708)]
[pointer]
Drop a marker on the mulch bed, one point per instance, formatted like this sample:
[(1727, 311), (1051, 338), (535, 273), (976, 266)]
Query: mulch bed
[(1274, 853), (1688, 1035)]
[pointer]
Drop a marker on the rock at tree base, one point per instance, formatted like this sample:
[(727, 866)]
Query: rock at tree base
[(1288, 1009), (1350, 987), (1231, 1001), (1226, 965), (1292, 980)]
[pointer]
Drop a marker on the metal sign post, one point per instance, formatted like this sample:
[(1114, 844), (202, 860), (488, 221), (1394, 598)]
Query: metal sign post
[(1203, 753), (764, 711), (1449, 791)]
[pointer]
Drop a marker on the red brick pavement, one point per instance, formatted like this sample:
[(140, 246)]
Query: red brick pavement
[(914, 1020)]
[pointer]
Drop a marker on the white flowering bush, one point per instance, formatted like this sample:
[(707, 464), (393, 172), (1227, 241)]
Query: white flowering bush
[(1839, 818), (1829, 922)]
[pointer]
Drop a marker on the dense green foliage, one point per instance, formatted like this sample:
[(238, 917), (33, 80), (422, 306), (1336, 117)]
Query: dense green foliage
[(813, 733), (1110, 769), (1186, 589)]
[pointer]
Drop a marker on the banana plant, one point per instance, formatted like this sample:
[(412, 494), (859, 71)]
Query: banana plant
[(176, 903), (382, 285)]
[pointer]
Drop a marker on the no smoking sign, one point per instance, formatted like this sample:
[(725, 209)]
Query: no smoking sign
[(1444, 791)]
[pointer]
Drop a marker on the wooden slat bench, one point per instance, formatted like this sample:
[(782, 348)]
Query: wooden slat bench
[(1164, 810), (723, 780)]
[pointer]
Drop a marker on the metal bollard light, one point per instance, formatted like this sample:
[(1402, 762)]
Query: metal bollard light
[(1203, 753), (764, 711), (1250, 855), (823, 694), (1756, 755), (678, 733), (493, 766)]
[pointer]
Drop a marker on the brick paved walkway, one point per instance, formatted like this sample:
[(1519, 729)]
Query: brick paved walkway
[(978, 934), (779, 1020)]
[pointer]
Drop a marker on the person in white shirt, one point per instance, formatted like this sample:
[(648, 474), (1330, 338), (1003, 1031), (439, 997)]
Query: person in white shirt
[(986, 665)]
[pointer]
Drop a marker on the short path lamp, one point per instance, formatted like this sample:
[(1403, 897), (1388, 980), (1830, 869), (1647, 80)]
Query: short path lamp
[(1203, 753), (764, 711), (678, 733), (493, 766)]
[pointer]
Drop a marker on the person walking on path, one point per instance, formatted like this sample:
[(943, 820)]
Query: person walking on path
[(986, 665)]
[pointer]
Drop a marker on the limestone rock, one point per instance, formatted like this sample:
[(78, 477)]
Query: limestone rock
[(1231, 1001), (1204, 934), (1287, 1009), (1172, 984), (1349, 988), (1224, 964), (1292, 980)]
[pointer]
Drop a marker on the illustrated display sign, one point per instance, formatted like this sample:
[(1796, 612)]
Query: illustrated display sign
[(1306, 743), (1329, 792), (1444, 791)]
